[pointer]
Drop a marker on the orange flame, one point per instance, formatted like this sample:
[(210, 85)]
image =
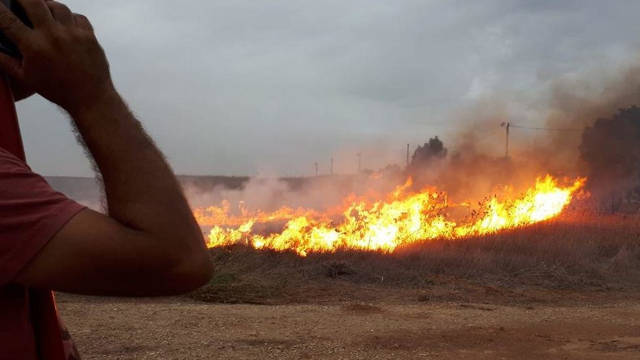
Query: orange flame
[(403, 218)]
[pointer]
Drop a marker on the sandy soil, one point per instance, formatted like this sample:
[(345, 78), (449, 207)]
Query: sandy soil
[(183, 329)]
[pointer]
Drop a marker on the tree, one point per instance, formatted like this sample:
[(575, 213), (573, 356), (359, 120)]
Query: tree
[(427, 153), (611, 150)]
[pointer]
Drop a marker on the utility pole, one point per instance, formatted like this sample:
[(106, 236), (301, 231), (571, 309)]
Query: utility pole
[(507, 126), (408, 151), (331, 169), (315, 164), (359, 162)]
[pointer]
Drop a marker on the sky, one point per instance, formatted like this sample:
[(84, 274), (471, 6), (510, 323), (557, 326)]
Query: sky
[(269, 87)]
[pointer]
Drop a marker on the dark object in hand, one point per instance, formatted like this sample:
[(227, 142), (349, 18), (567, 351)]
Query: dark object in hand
[(6, 46)]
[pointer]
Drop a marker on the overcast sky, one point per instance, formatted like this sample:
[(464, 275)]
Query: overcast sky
[(246, 87)]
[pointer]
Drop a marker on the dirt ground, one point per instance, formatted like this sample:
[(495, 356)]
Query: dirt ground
[(179, 328)]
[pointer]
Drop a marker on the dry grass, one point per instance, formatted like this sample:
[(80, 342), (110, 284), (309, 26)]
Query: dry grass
[(584, 253)]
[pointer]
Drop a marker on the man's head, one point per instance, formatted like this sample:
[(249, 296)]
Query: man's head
[(7, 46)]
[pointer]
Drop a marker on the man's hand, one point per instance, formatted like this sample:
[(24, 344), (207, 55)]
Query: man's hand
[(61, 57)]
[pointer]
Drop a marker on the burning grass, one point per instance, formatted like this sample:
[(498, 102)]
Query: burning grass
[(393, 221), (575, 252)]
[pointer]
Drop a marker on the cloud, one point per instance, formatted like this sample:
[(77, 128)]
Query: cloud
[(238, 87)]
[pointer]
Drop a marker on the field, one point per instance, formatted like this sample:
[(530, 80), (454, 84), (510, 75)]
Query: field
[(565, 289)]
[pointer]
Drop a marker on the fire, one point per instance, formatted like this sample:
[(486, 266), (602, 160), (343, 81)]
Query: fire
[(403, 218)]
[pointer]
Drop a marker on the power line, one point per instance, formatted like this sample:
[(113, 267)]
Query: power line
[(488, 135), (509, 125)]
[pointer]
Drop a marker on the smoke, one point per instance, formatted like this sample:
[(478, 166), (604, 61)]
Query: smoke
[(271, 193), (604, 150), (477, 164), (545, 138), (579, 102)]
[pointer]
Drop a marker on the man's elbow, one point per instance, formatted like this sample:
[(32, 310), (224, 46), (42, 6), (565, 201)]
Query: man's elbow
[(184, 268), (202, 273), (193, 272)]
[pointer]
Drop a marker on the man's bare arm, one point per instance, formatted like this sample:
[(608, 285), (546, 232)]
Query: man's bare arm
[(150, 243)]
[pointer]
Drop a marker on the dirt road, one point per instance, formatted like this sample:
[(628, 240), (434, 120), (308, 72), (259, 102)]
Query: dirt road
[(182, 329)]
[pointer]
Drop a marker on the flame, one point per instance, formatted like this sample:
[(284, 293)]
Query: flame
[(402, 218)]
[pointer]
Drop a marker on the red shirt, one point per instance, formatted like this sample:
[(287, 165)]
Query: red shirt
[(31, 213)]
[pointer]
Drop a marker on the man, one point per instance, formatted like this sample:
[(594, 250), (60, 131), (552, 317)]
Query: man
[(149, 244)]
